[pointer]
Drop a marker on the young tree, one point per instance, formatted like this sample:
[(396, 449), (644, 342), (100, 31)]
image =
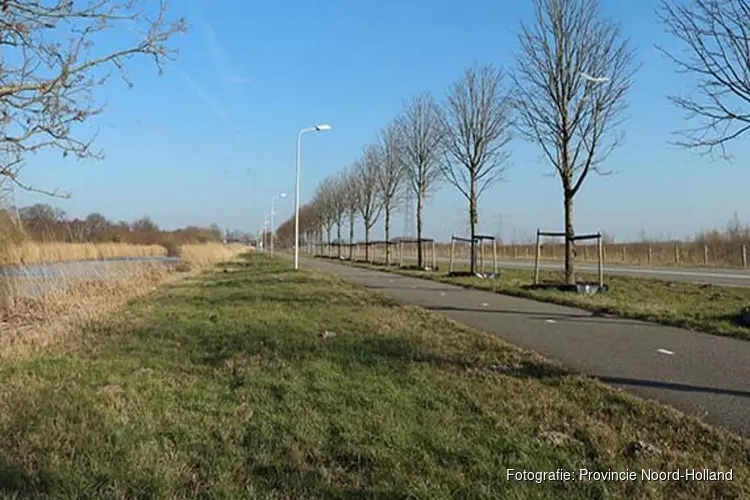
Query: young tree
[(391, 175), (422, 134), (571, 81), (339, 205), (351, 198), (715, 38), (477, 123), (55, 55), (324, 205), (370, 201)]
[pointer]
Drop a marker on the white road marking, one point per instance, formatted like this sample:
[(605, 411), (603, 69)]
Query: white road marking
[(484, 304), (664, 351), (442, 293), (551, 321)]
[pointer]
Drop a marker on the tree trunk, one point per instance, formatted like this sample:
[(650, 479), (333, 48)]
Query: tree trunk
[(473, 226), (570, 276), (338, 237), (351, 235), (420, 257), (367, 241), (387, 234)]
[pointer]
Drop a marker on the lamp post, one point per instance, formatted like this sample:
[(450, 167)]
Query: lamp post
[(317, 128), (273, 212)]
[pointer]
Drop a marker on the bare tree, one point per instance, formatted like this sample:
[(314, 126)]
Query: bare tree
[(477, 122), (351, 200), (561, 107), (715, 34), (391, 175), (324, 197), (55, 54), (370, 201), (421, 131), (338, 206)]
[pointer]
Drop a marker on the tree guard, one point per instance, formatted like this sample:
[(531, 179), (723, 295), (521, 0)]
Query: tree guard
[(481, 239), (578, 237)]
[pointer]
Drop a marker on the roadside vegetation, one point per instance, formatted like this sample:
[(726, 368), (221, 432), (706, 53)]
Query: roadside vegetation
[(253, 380)]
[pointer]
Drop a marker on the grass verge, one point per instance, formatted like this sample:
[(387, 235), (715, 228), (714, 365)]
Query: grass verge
[(255, 381), (708, 308)]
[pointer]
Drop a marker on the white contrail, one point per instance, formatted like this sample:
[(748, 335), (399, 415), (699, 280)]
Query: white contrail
[(206, 97), (220, 58)]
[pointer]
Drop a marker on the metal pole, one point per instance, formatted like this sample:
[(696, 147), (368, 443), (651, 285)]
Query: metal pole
[(273, 208), (296, 203)]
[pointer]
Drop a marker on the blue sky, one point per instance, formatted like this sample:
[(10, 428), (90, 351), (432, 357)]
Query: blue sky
[(213, 138)]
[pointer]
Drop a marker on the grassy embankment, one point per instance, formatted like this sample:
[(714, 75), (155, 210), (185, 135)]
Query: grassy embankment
[(713, 309), (255, 381)]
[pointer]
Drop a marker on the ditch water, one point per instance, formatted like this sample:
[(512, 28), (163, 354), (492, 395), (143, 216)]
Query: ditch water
[(36, 279)]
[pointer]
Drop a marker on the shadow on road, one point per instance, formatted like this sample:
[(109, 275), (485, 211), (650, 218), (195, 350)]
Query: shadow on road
[(672, 386), (572, 317)]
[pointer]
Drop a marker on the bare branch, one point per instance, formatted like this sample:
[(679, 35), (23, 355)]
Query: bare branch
[(422, 135), (369, 197), (715, 34), (52, 64), (392, 172), (477, 124)]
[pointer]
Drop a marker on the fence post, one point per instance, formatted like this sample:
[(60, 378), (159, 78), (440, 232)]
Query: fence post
[(677, 253), (705, 254), (744, 255), (536, 259), (494, 256), (453, 249), (624, 254), (481, 253), (600, 246), (650, 254), (434, 257), (400, 253)]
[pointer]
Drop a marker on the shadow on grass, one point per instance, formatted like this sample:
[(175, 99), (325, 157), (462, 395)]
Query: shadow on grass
[(15, 481), (398, 352)]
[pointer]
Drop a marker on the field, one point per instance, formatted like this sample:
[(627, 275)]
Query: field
[(712, 309), (723, 254), (255, 381)]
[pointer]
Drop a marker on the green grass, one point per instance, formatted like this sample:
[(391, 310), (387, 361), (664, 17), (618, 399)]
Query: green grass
[(224, 387), (708, 308)]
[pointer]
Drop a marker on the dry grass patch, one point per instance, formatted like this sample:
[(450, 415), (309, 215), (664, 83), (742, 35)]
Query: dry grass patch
[(31, 252), (45, 306), (209, 253)]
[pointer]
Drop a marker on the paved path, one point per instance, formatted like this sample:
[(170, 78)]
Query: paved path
[(702, 374), (717, 276)]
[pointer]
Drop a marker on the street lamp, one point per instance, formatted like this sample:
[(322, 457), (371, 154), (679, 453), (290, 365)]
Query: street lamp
[(273, 211), (317, 128)]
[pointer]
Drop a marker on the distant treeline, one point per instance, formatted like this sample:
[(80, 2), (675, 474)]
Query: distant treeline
[(42, 222)]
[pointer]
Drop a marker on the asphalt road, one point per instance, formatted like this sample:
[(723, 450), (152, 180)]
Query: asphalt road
[(700, 374), (721, 277)]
